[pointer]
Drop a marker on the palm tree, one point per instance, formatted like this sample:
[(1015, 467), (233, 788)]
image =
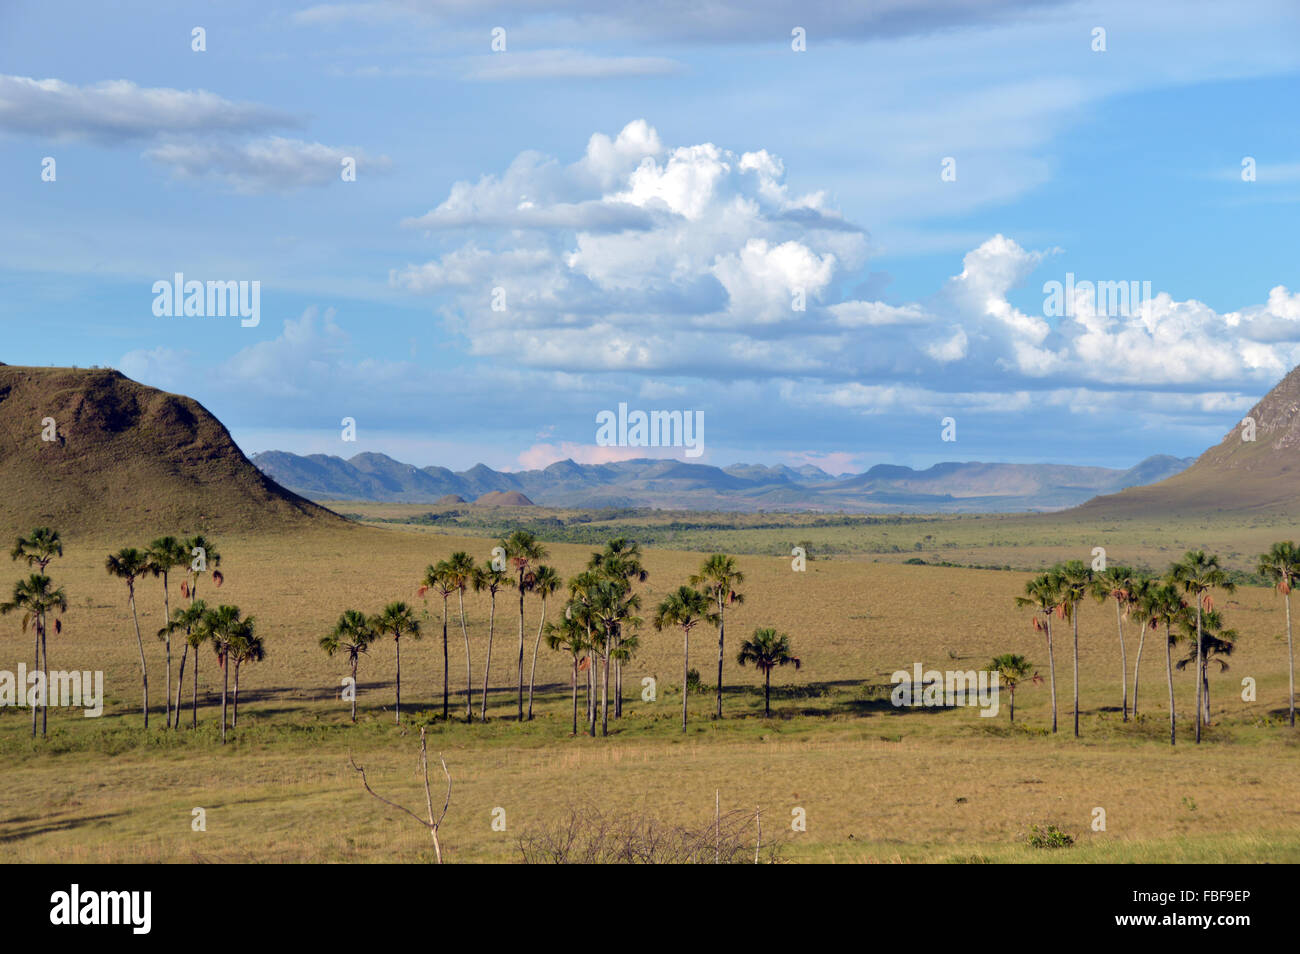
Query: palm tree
[(766, 649), (185, 620), (459, 569), (164, 555), (1011, 669), (35, 598), (1116, 583), (245, 646), (1218, 642), (1163, 605), (39, 550), (1076, 583), (353, 634), (129, 564), (397, 620), (198, 635), (569, 635), (211, 560), (436, 578), (223, 626), (1137, 600), (1043, 593), (612, 606), (718, 579), (491, 579), (524, 553), (1197, 574), (621, 559), (545, 582), (581, 590), (685, 608), (1281, 567)]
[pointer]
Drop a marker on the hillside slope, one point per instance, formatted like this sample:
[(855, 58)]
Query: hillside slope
[(128, 459), (1235, 475)]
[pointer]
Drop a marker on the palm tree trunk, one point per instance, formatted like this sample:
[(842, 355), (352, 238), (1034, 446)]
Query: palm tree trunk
[(180, 685), (686, 671), (144, 674), (398, 711), (1290, 658), (1169, 669), (604, 694), (469, 674), (1199, 668), (234, 708), (1051, 669), (767, 694), (1137, 668), (1074, 615), (722, 628), (45, 661), (521, 646), (36, 665), (1123, 662), (575, 694), (618, 688), (1013, 703), (487, 666), (1205, 681), (225, 685), (167, 618), (532, 673), (195, 722), (445, 698), (354, 690)]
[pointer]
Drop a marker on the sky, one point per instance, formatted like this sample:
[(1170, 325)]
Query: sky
[(830, 232)]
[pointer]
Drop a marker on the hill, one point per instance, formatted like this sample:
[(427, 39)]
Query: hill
[(949, 487), (126, 458), (504, 498), (1237, 475)]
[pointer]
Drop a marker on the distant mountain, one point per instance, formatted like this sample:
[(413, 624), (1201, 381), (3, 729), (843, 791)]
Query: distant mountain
[(673, 484), (1237, 475)]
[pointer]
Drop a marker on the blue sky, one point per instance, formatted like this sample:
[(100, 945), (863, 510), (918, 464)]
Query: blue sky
[(651, 192)]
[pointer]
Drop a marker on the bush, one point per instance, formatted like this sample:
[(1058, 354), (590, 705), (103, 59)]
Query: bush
[(1049, 836)]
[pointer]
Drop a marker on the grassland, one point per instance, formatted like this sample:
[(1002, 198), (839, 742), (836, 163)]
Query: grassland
[(876, 783)]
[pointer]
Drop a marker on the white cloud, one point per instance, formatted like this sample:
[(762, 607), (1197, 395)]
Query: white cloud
[(273, 163)]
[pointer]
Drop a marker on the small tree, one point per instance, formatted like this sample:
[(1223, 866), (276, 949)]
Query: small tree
[(187, 622), (1011, 669), (353, 634), (767, 649), (36, 599), (397, 620)]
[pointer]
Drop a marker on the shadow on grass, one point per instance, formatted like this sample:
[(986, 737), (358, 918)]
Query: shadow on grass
[(47, 826)]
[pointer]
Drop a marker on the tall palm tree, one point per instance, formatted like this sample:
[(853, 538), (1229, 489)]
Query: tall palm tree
[(569, 635), (613, 606), (184, 620), (1043, 594), (353, 634), (1218, 642), (492, 580), (718, 579), (545, 582), (767, 649), (129, 564), (1281, 567), (164, 555), (581, 592), (685, 608), (397, 620), (1116, 583), (37, 600), (245, 646), (1137, 600), (39, 550), (1012, 669), (621, 559), (524, 553), (437, 578), (1198, 573), (1076, 583), (223, 626), (199, 634), (1163, 605), (460, 574)]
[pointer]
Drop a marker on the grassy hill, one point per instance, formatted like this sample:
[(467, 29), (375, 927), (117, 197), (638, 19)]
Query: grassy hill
[(127, 458), (1237, 475)]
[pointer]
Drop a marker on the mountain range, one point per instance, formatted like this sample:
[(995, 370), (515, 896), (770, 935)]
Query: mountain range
[(670, 484)]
